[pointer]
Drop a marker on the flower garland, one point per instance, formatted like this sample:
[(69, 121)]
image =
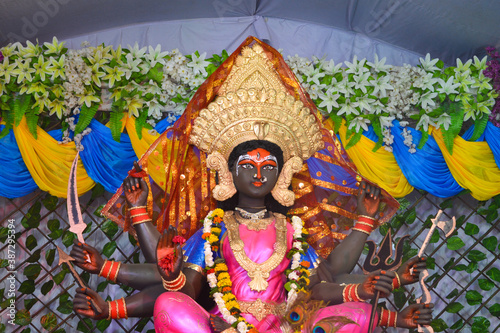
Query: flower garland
[(47, 80), (220, 280)]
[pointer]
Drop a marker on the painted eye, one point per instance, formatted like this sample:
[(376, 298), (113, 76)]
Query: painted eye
[(246, 166), (268, 167)]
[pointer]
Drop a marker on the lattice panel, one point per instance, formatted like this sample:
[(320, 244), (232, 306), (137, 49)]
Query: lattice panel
[(451, 282)]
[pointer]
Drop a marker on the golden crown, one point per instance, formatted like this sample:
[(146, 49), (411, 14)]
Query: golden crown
[(253, 104)]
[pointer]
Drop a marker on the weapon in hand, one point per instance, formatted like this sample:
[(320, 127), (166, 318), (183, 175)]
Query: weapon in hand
[(383, 255), (77, 225), (67, 259), (447, 227)]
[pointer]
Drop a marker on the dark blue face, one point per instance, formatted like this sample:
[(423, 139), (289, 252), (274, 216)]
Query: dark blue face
[(255, 173)]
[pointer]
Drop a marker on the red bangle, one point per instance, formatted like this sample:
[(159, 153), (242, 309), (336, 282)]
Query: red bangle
[(388, 318), (365, 224), (122, 308), (110, 270), (113, 273), (396, 282), (137, 210), (176, 284), (117, 309)]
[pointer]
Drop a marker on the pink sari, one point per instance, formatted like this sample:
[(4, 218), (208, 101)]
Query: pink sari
[(178, 313)]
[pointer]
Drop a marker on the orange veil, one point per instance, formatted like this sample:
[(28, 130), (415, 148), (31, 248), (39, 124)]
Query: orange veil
[(325, 188)]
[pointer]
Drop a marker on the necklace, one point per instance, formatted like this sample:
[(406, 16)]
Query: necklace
[(258, 273), (251, 216), (254, 223), (219, 279)]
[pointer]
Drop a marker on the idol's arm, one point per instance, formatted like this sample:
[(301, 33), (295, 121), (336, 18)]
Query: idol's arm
[(140, 304), (148, 237), (344, 256), (136, 194), (137, 276)]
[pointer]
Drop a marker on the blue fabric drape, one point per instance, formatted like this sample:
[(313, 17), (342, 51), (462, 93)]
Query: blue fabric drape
[(15, 179), (105, 160), (425, 169)]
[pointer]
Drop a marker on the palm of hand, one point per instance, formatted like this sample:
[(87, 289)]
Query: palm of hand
[(93, 266), (371, 205), (169, 255), (136, 197)]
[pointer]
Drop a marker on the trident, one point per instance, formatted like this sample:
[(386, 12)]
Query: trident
[(447, 227), (383, 255)]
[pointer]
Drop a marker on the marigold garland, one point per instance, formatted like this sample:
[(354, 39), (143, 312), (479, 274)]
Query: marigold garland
[(220, 280)]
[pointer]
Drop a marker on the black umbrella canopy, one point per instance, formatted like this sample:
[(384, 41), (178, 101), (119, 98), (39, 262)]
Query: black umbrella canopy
[(447, 29)]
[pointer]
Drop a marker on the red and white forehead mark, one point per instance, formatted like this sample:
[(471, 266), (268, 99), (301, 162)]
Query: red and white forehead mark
[(257, 157)]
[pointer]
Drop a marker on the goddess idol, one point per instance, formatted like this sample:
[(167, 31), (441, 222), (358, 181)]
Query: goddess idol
[(261, 207)]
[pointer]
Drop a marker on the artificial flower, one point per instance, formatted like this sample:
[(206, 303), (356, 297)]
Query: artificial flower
[(379, 66), (329, 100), (427, 99), (131, 66), (133, 106), (88, 98), (480, 65), (428, 64), (23, 70), (381, 85), (114, 74), (55, 47), (57, 67), (198, 63), (448, 87), (156, 56), (356, 67), (56, 106), (358, 123), (6, 69), (348, 108), (42, 67)]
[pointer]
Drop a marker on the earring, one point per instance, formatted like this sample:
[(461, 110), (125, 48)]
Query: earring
[(280, 191), (225, 189)]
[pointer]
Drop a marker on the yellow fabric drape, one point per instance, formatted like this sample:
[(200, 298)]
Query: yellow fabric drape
[(379, 167), (155, 167), (472, 165), (49, 162)]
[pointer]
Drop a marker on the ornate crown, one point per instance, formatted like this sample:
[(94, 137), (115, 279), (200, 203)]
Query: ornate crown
[(253, 104)]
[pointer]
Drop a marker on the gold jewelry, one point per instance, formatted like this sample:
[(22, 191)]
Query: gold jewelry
[(260, 309), (136, 207), (109, 310), (137, 215), (225, 189), (359, 299), (252, 216), (258, 273), (368, 217), (143, 221), (280, 191), (176, 284), (253, 104), (255, 224)]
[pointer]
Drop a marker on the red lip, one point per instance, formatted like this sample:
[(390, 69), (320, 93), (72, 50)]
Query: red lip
[(258, 184)]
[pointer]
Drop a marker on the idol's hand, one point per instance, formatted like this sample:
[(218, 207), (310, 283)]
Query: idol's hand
[(169, 256), (414, 315), (136, 190), (83, 251), (82, 304), (410, 270), (376, 281), (368, 199)]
